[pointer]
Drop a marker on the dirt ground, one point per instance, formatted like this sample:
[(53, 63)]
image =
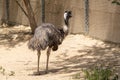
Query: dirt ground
[(77, 52)]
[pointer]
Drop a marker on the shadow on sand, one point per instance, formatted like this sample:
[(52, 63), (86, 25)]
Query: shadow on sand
[(108, 56)]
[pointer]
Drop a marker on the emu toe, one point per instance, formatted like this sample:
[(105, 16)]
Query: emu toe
[(37, 73)]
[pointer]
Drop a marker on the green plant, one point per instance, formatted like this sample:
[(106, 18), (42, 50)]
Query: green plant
[(117, 2), (76, 76), (12, 73), (100, 74), (3, 72), (97, 74)]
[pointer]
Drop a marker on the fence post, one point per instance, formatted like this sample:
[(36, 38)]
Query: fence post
[(86, 16), (43, 10), (5, 18)]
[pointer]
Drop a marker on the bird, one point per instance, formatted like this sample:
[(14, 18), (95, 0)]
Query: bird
[(49, 37)]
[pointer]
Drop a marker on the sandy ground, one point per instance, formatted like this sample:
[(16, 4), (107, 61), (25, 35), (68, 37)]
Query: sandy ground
[(77, 52)]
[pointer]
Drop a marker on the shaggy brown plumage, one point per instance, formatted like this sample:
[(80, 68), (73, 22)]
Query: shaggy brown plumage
[(45, 36)]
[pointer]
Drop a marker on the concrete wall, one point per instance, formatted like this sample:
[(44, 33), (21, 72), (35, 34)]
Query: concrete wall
[(104, 17), (104, 20), (56, 8)]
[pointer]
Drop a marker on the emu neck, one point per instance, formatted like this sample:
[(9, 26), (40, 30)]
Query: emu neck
[(66, 26), (66, 22)]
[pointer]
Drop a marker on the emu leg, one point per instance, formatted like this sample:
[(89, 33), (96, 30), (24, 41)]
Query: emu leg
[(48, 54), (38, 54)]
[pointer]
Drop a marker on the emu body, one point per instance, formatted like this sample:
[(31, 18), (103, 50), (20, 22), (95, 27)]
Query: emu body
[(47, 35)]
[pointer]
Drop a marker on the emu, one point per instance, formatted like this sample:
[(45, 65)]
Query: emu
[(47, 35)]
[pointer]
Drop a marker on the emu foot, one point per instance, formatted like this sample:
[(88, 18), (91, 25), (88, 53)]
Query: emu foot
[(46, 72), (37, 73)]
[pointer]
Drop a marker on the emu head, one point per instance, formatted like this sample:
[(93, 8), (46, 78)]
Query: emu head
[(67, 16), (64, 31)]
